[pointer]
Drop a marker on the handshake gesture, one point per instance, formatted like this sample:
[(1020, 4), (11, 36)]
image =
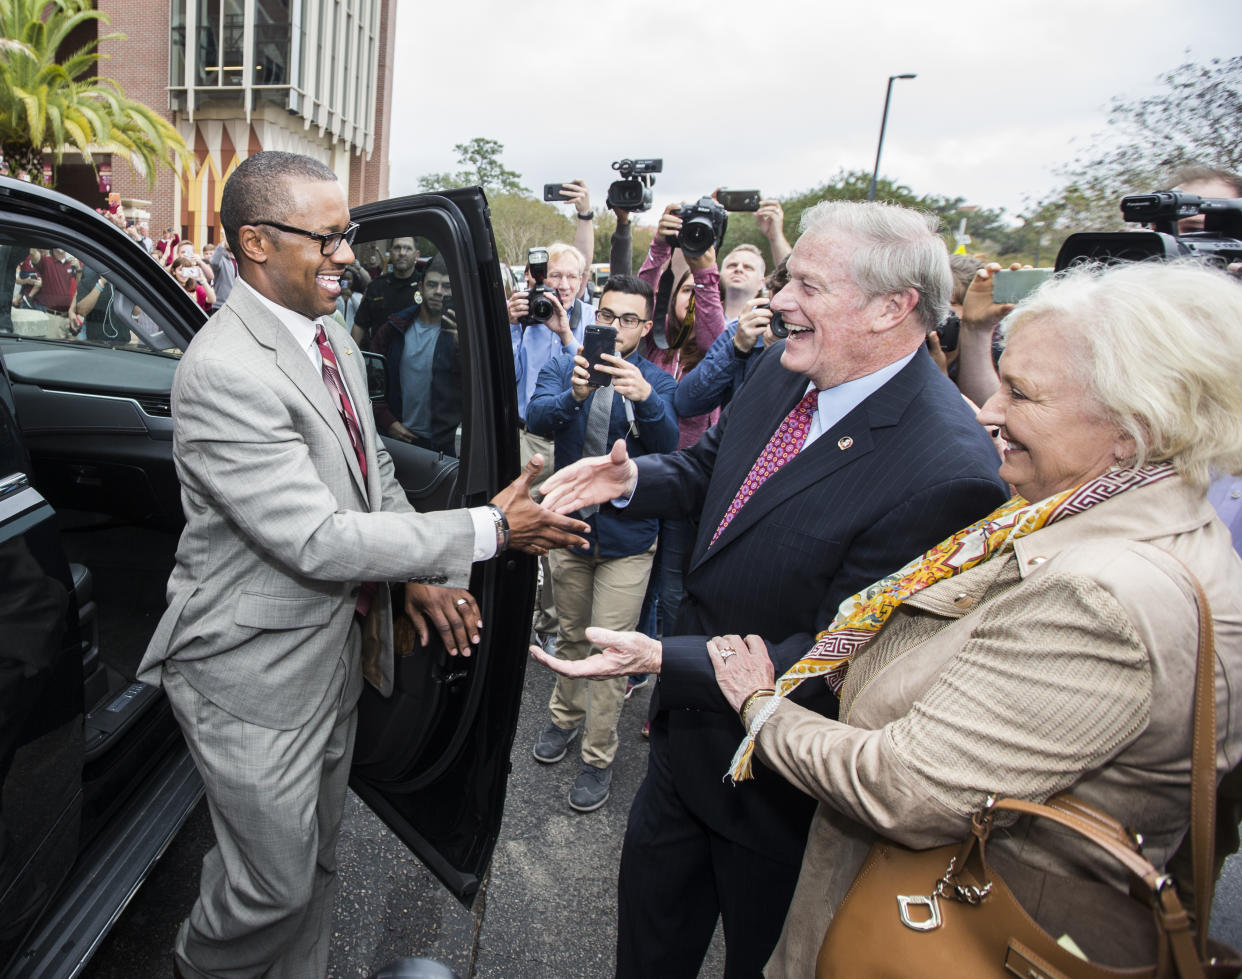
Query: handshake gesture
[(537, 528)]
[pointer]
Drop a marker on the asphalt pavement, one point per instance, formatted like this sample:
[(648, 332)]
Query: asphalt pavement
[(548, 911)]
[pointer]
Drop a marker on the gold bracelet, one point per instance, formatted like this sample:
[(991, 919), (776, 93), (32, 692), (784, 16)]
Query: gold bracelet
[(761, 692)]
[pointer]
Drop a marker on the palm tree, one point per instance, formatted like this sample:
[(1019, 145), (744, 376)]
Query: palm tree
[(48, 105)]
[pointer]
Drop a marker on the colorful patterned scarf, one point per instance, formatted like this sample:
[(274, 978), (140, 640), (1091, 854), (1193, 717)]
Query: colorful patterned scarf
[(860, 617)]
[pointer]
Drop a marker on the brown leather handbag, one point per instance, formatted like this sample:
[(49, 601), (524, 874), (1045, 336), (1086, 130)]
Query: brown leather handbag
[(946, 912)]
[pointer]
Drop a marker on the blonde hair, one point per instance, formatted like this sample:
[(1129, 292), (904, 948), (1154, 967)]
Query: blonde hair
[(558, 249), (1165, 353)]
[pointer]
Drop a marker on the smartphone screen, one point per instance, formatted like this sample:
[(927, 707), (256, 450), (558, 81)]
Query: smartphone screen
[(738, 200), (598, 340), (1014, 285)]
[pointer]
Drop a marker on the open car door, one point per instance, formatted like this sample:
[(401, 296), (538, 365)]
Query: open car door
[(432, 760)]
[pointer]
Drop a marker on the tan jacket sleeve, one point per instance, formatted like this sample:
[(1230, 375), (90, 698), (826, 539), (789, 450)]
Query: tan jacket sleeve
[(1053, 681)]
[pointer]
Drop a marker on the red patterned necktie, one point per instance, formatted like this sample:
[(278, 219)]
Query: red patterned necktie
[(786, 443), (332, 378)]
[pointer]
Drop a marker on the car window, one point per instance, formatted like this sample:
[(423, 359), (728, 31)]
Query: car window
[(406, 314), (58, 296)]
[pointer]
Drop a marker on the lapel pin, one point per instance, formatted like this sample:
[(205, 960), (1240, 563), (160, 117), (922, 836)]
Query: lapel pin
[(348, 352), (844, 442)]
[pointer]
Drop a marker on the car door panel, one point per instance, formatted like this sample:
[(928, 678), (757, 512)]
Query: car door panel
[(40, 696), (433, 759)]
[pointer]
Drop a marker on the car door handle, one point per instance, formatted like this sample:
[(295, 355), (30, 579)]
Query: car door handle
[(13, 484)]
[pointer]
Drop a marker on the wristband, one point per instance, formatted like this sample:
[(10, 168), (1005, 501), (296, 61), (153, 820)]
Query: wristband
[(741, 354), (589, 216), (502, 526)]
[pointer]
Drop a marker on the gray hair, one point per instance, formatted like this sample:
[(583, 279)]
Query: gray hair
[(898, 249), (1164, 344)]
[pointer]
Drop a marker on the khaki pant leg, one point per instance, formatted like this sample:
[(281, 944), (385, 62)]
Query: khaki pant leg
[(575, 581), (620, 584), (545, 607)]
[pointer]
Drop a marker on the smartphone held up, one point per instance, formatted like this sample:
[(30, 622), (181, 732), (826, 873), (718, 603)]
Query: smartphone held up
[(596, 341)]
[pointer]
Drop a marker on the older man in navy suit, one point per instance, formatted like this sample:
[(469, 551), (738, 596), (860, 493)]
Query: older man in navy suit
[(845, 454)]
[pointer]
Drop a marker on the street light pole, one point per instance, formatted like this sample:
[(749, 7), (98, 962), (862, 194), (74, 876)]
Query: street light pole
[(888, 94)]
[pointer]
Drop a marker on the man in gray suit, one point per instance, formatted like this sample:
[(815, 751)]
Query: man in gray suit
[(292, 514)]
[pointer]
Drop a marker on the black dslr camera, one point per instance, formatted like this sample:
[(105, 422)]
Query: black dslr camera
[(633, 191), (1219, 243), (703, 225), (540, 306)]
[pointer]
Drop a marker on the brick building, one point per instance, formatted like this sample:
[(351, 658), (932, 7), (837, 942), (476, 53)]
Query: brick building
[(239, 76)]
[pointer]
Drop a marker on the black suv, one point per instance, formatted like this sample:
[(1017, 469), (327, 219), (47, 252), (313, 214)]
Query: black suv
[(95, 777)]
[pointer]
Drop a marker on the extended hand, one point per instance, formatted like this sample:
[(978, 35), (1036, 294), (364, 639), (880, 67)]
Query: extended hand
[(742, 666), (594, 480), (533, 528), (623, 653), (453, 611)]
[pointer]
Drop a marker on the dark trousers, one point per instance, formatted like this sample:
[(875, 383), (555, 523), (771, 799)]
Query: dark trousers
[(678, 876)]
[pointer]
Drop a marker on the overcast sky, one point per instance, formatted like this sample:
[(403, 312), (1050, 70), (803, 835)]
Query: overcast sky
[(780, 94)]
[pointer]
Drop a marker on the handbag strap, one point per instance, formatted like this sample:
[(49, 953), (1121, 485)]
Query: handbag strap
[(1203, 769)]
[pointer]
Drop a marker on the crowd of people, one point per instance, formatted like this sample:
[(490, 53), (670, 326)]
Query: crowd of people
[(878, 575)]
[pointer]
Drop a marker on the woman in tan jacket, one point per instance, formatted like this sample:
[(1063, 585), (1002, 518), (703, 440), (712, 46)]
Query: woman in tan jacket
[(1052, 646)]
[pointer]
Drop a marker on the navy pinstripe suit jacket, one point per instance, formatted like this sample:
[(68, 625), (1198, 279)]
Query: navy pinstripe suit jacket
[(827, 524)]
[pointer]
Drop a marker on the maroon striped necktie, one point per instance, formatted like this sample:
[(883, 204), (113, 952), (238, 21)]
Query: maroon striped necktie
[(332, 378)]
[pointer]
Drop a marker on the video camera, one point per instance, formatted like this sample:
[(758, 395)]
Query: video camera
[(540, 306), (703, 225), (1219, 243), (633, 191)]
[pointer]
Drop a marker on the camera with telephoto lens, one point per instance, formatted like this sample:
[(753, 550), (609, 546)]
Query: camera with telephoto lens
[(633, 191), (703, 225), (1219, 243), (540, 308)]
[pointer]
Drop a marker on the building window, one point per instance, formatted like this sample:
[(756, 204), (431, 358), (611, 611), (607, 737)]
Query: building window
[(221, 27), (272, 32)]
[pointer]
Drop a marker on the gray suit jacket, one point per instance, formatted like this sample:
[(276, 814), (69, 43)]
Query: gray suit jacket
[(281, 527)]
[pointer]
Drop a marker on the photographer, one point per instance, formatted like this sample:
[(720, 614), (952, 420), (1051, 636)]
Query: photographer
[(205, 274), (733, 356), (695, 319), (603, 584), (536, 343), (695, 316), (189, 276), (422, 402)]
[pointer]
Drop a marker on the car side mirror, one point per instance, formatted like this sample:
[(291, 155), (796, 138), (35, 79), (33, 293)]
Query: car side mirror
[(377, 376)]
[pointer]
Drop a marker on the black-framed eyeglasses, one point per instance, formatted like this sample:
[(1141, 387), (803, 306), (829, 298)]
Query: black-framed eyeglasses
[(606, 317), (328, 243)]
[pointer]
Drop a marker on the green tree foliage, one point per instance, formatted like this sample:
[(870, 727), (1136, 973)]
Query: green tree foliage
[(520, 222), (985, 226), (50, 104), (1195, 118), (481, 167)]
